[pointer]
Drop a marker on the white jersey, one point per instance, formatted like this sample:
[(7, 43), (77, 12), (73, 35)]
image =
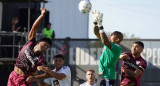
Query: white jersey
[(87, 84), (64, 82)]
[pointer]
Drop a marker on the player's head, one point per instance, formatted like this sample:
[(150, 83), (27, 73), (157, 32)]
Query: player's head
[(14, 20), (42, 45), (90, 75), (116, 37), (137, 48), (58, 61), (49, 25)]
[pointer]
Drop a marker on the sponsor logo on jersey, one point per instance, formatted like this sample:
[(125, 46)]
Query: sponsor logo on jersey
[(137, 62), (130, 64), (29, 58)]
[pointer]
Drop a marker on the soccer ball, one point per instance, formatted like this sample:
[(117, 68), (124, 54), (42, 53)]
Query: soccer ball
[(85, 6)]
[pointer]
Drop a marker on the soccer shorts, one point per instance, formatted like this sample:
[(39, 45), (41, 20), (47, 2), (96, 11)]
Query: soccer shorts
[(101, 81), (17, 80)]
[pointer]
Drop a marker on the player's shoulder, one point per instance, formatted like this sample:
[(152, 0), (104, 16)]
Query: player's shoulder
[(65, 67), (142, 60), (115, 46)]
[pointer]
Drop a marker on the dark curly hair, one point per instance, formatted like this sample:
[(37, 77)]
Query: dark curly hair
[(46, 40)]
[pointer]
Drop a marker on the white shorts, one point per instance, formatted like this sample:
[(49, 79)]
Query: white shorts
[(107, 82)]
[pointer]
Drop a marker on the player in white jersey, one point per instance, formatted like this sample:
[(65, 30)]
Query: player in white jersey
[(90, 76), (61, 75)]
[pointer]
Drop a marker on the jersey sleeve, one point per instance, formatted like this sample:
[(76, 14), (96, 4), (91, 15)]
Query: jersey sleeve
[(42, 61), (142, 66), (67, 71), (116, 51), (101, 67)]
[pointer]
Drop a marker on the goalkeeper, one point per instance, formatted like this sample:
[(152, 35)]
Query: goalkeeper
[(111, 51)]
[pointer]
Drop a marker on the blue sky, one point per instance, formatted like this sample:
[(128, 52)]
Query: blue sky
[(139, 17)]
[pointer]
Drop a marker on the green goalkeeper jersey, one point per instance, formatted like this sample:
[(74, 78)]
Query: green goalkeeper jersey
[(108, 60)]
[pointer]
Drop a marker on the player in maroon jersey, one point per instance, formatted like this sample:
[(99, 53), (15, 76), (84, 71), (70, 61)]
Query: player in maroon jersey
[(133, 65), (30, 57)]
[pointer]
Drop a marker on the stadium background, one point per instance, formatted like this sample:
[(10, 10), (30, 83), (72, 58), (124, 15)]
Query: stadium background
[(81, 53)]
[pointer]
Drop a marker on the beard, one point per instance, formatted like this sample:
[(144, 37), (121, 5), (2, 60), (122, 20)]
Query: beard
[(134, 53)]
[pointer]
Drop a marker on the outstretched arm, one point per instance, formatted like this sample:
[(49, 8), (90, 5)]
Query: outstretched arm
[(104, 38), (37, 77), (58, 76), (36, 24), (96, 31), (95, 21), (98, 28)]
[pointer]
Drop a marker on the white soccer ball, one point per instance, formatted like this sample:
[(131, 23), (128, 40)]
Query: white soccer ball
[(85, 6)]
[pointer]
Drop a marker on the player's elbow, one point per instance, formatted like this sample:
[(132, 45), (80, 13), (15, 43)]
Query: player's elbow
[(60, 78), (135, 76)]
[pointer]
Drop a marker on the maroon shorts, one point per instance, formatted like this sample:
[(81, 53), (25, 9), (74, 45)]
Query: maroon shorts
[(17, 80)]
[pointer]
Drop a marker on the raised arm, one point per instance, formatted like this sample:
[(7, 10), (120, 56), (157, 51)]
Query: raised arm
[(98, 28), (96, 31), (51, 73), (104, 38), (36, 24)]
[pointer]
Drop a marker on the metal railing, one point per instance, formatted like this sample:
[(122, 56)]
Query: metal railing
[(14, 40)]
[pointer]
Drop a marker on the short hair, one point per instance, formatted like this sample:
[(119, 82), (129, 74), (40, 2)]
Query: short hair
[(46, 40), (140, 43), (49, 23), (14, 19), (118, 34), (59, 56), (90, 70)]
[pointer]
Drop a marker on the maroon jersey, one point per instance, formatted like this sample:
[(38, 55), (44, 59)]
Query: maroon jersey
[(131, 65), (27, 60)]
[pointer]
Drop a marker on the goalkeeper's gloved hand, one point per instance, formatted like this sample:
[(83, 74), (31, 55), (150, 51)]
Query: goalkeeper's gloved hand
[(100, 20), (95, 17), (98, 17)]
